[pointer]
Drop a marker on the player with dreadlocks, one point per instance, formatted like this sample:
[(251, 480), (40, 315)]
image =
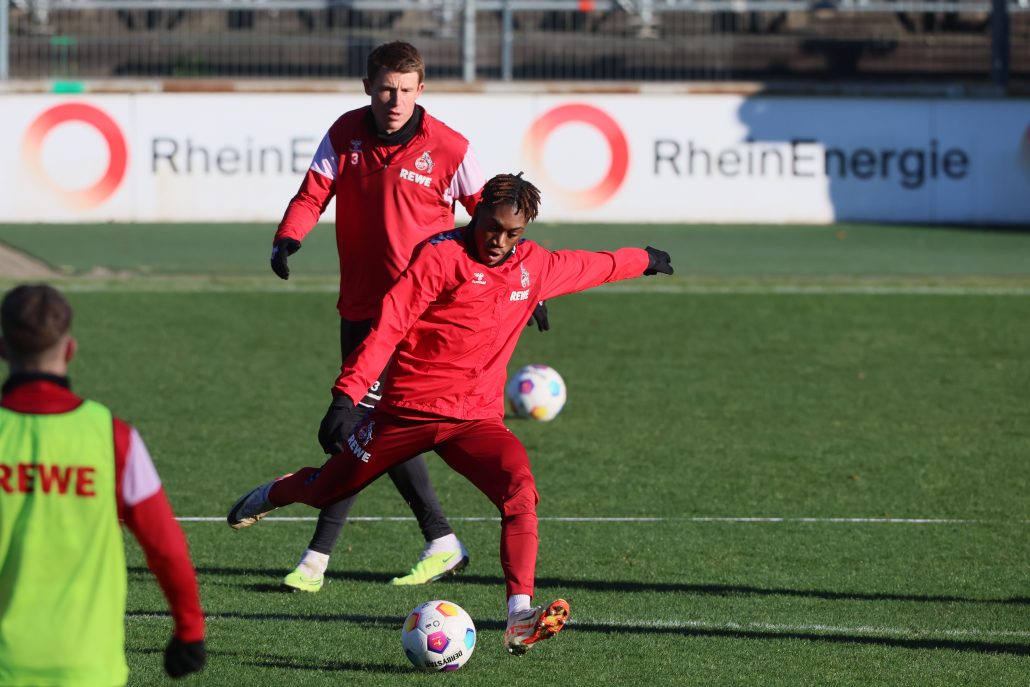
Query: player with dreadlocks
[(451, 323)]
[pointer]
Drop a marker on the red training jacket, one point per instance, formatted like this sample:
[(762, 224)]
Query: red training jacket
[(454, 323), (388, 200), (142, 504)]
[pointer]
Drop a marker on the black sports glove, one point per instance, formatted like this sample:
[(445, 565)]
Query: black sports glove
[(183, 658), (658, 261), (330, 432), (540, 317), (282, 249)]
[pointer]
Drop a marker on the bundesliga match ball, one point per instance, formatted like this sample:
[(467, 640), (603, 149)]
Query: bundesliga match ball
[(536, 392), (438, 635)]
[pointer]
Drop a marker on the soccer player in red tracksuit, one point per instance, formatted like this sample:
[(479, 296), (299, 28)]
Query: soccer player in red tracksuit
[(62, 568), (454, 318), (396, 173)]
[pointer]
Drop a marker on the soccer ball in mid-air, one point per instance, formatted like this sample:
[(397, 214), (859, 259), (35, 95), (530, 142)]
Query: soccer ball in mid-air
[(536, 392), (438, 635)]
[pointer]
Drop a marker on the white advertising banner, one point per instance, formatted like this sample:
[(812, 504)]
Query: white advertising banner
[(597, 158)]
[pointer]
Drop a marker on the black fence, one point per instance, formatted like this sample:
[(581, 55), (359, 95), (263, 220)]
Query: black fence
[(943, 42)]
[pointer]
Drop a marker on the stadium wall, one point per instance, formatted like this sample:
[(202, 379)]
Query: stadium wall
[(640, 157)]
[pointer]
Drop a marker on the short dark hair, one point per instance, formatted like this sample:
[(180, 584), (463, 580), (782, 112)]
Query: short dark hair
[(397, 56), (33, 318), (512, 189)]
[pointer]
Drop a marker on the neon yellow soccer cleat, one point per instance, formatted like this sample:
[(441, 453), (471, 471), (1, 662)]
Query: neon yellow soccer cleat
[(300, 582), (432, 568)]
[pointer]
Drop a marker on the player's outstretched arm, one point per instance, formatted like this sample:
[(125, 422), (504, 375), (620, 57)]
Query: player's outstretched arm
[(569, 271), (417, 287)]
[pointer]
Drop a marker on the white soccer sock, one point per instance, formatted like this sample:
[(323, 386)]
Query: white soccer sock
[(314, 563), (442, 545), (518, 602)]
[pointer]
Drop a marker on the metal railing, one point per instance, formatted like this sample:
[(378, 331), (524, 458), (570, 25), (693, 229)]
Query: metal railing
[(510, 40)]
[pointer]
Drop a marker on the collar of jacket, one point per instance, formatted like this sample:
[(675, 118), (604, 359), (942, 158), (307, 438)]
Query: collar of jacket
[(402, 135), (21, 378)]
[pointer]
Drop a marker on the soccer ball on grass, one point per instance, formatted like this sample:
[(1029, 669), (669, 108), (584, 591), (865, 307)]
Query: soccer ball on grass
[(536, 392), (438, 635)]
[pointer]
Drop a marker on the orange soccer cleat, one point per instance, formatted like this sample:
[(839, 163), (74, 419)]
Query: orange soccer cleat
[(526, 628)]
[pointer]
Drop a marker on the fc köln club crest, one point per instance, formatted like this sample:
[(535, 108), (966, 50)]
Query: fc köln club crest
[(365, 433), (424, 163)]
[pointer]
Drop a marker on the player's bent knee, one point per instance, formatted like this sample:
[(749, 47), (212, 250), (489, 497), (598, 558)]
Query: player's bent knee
[(521, 500)]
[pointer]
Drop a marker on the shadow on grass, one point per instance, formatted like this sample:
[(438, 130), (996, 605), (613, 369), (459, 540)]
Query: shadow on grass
[(325, 666), (291, 663), (615, 586), (838, 637), (834, 638)]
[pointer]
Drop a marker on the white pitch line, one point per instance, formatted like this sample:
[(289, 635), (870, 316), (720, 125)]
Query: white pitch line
[(859, 521), (725, 626)]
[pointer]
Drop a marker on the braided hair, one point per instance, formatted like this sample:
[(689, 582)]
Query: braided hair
[(512, 189)]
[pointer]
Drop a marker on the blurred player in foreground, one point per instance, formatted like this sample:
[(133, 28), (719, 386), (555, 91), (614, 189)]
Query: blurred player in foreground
[(454, 318), (396, 173), (69, 471)]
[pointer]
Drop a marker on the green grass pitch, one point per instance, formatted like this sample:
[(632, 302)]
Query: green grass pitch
[(809, 448)]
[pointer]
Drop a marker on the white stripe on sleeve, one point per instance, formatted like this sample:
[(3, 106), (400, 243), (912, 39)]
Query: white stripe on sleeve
[(467, 180), (140, 480), (326, 161)]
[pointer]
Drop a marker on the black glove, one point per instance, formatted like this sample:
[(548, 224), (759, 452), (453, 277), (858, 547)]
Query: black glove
[(540, 317), (183, 658), (658, 261), (330, 432), (280, 251)]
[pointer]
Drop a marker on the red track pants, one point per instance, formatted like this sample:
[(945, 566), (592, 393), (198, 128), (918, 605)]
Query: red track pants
[(484, 451)]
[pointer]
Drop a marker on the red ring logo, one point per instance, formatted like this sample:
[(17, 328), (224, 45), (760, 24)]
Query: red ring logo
[(542, 128), (99, 120)]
